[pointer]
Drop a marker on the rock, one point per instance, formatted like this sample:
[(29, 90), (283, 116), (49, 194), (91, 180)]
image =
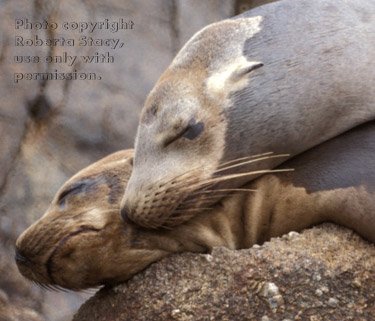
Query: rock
[(326, 273)]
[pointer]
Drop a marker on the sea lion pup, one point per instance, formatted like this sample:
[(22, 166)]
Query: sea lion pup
[(283, 77), (82, 242)]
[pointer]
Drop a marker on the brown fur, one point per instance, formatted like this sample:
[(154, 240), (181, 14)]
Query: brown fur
[(85, 243)]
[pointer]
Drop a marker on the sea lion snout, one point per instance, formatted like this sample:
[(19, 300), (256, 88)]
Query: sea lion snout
[(124, 214), (20, 258)]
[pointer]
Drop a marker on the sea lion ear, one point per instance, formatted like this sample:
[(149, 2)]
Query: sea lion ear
[(243, 70), (231, 78)]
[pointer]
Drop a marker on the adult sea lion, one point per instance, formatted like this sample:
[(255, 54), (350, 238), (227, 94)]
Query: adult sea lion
[(82, 242), (280, 78)]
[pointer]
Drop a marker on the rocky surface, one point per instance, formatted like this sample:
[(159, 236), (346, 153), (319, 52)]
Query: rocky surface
[(324, 273)]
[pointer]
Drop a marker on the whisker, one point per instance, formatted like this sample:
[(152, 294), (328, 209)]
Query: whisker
[(250, 161), (214, 195), (189, 191), (179, 176), (191, 210), (180, 182), (238, 175), (193, 194), (210, 181), (245, 158), (201, 192), (48, 287), (110, 210), (60, 288), (182, 218), (204, 199), (91, 290), (211, 191), (230, 190)]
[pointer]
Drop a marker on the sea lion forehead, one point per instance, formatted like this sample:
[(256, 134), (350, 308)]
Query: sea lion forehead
[(94, 181), (170, 93)]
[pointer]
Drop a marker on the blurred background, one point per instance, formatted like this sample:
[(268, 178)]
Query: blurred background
[(51, 129)]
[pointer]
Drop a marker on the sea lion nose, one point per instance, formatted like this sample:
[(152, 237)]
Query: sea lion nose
[(124, 215), (21, 259)]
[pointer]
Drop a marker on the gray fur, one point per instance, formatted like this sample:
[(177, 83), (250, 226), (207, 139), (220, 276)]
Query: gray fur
[(281, 78), (318, 78)]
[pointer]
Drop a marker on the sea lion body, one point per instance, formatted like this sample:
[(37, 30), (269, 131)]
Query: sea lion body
[(280, 78), (81, 241)]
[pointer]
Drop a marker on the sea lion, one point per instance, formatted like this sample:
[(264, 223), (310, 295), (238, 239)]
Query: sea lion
[(281, 78), (82, 242)]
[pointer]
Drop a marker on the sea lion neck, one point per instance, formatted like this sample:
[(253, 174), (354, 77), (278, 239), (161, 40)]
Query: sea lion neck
[(206, 231)]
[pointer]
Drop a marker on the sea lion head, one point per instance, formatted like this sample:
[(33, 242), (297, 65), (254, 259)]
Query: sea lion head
[(181, 140), (81, 241)]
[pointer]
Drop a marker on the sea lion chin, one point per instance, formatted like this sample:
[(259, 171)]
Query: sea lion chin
[(81, 241), (281, 78)]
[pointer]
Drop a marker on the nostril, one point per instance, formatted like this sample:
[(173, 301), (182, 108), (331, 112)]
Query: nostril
[(124, 215), (20, 259)]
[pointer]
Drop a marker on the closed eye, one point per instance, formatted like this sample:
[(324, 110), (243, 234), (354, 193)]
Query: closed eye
[(176, 137), (191, 131), (75, 188)]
